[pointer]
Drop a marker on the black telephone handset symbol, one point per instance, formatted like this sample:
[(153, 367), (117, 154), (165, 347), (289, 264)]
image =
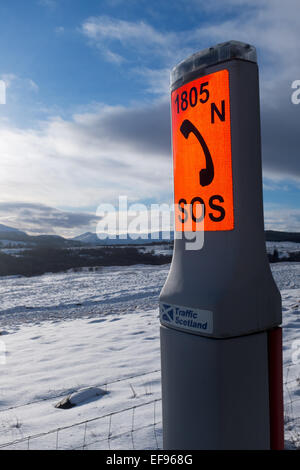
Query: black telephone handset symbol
[(206, 175)]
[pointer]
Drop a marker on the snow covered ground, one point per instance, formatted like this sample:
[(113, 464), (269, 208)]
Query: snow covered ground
[(283, 248), (63, 332), (113, 290)]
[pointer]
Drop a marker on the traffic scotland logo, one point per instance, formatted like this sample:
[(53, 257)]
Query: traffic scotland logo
[(167, 313), (193, 319)]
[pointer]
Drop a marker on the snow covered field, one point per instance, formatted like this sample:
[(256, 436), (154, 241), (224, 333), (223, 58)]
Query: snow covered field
[(63, 332), (283, 248)]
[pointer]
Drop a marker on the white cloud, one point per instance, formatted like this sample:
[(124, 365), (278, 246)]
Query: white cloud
[(115, 36), (8, 79), (33, 85), (113, 57), (13, 81), (38, 219), (47, 3), (156, 82), (273, 27), (94, 157), (105, 27), (281, 218), (59, 30)]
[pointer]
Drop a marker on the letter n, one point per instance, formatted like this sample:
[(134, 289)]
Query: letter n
[(215, 110)]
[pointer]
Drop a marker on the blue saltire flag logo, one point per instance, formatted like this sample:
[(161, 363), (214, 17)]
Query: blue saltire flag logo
[(167, 312)]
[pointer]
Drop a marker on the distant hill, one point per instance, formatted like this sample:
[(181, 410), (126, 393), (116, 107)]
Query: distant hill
[(10, 236), (274, 236), (5, 228), (92, 239), (87, 237), (10, 233)]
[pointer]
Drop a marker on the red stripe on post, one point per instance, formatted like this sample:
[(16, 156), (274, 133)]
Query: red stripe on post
[(276, 389)]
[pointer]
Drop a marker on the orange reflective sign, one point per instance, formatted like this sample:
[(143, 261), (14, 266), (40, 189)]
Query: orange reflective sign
[(202, 153)]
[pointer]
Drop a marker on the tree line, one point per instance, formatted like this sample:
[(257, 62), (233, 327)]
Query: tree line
[(47, 259)]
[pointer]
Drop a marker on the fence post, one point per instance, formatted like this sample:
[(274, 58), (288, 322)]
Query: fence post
[(220, 303), (132, 426), (56, 445)]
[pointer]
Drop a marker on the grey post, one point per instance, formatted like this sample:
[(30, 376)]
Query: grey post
[(215, 379)]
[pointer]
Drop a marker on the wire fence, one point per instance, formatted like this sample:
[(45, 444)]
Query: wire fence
[(125, 428), (73, 390), (291, 408), (139, 426), (133, 427), (291, 391)]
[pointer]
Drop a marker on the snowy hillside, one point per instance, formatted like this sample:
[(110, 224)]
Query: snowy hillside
[(64, 332), (127, 239), (6, 228)]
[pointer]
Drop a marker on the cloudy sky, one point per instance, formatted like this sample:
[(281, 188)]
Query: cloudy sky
[(87, 112)]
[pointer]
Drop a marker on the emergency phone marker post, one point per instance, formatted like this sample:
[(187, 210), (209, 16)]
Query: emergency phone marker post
[(220, 309)]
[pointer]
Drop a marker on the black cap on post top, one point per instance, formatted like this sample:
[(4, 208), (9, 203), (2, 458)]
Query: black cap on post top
[(213, 55)]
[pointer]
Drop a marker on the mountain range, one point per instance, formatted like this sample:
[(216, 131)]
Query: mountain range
[(131, 239), (10, 236)]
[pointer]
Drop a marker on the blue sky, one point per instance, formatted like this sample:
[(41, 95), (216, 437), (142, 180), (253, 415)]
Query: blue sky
[(87, 113)]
